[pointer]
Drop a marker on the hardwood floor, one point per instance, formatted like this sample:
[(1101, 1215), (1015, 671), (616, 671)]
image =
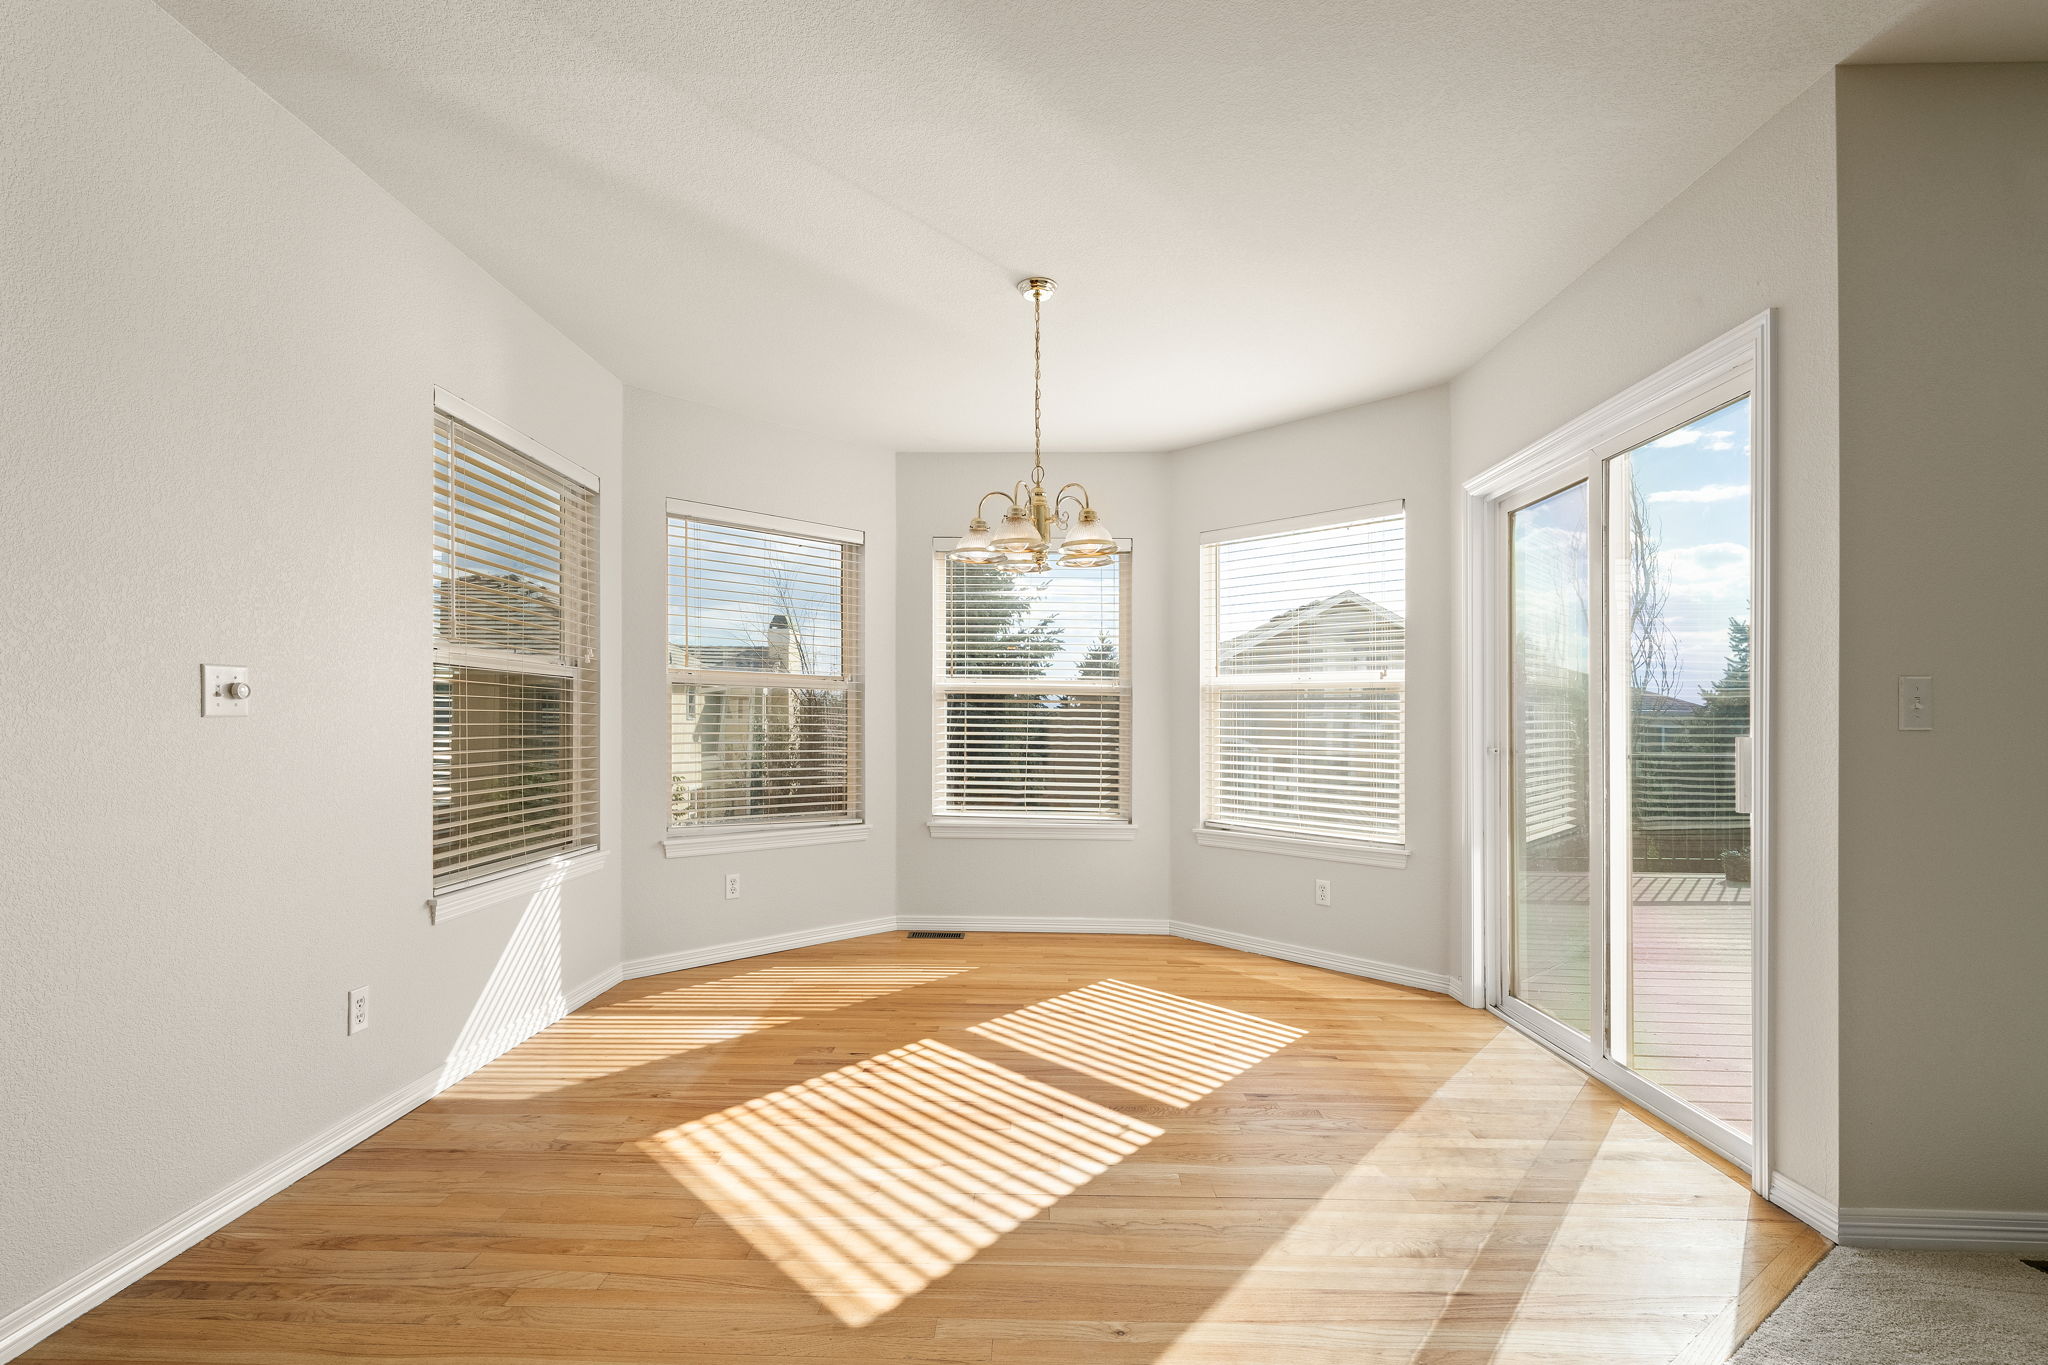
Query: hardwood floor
[(1110, 1150)]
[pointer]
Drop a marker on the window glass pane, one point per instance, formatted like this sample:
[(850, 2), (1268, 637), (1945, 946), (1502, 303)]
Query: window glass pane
[(515, 639), (759, 753), (506, 769), (1063, 624), (510, 550), (1040, 753), (1305, 645), (743, 600), (1332, 599), (1316, 762), (1550, 651), (1683, 595)]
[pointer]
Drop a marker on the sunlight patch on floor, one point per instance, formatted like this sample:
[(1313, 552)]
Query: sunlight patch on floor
[(617, 1036), (867, 1183), (1164, 1047)]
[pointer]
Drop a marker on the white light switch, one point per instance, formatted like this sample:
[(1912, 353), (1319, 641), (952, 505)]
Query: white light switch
[(224, 690), (1916, 703)]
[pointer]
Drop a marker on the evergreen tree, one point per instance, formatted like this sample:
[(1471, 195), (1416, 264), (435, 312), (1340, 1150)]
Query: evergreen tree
[(987, 619), (1101, 660), (989, 622), (1727, 698)]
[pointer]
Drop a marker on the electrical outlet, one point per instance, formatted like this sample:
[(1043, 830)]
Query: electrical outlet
[(732, 886), (359, 1010), (1322, 891)]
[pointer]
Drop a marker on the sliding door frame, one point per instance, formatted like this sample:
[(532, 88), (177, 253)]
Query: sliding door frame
[(1583, 445)]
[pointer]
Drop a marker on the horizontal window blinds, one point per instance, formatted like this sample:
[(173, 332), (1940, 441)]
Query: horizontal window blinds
[(1304, 636), (1032, 705), (764, 674), (515, 659)]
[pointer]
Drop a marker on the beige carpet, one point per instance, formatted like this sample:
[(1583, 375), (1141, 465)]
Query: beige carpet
[(1895, 1307)]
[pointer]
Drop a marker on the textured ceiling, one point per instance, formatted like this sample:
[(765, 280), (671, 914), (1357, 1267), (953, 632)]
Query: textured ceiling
[(813, 211), (1965, 31)]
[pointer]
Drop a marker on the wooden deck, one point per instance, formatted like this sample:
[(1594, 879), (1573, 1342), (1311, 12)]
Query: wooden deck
[(1692, 981), (994, 1151)]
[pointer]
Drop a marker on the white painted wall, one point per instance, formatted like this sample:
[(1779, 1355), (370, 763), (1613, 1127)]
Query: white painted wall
[(677, 449), (1123, 880), (216, 371), (1944, 270), (1381, 451), (1756, 232)]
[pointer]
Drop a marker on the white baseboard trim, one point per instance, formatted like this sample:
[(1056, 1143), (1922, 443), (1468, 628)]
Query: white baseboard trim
[(754, 947), (1945, 1229), (1816, 1211), (1316, 957), (47, 1312), (1033, 924)]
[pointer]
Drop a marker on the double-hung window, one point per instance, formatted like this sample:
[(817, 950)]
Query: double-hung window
[(764, 677), (1304, 643), (515, 656), (1031, 698)]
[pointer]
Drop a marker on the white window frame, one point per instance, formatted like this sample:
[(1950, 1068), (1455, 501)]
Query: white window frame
[(943, 824), (694, 841), (1214, 833), (550, 870)]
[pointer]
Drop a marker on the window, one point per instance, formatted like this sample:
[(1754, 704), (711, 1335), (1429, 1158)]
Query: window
[(515, 657), (1304, 627), (1032, 697), (763, 671)]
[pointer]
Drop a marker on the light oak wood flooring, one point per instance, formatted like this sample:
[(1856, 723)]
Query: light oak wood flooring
[(1094, 1149)]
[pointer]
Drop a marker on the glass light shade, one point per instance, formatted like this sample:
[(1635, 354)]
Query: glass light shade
[(1090, 538), (1072, 561), (974, 547), (1018, 535)]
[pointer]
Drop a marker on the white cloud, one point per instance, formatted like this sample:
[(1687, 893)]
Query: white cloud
[(1713, 572), (1722, 438), (1713, 492)]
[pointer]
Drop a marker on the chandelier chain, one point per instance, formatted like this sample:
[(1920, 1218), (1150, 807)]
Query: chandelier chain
[(1037, 390)]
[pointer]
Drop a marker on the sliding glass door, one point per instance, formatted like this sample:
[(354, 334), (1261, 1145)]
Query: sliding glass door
[(1627, 912)]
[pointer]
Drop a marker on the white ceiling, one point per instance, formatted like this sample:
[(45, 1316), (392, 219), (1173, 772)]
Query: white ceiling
[(813, 211), (1964, 31)]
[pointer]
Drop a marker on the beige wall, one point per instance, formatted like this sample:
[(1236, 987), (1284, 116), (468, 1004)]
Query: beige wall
[(1123, 880), (1944, 269), (1755, 232), (1377, 452), (677, 449), (218, 348)]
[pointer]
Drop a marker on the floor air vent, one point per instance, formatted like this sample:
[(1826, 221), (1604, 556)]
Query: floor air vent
[(935, 933)]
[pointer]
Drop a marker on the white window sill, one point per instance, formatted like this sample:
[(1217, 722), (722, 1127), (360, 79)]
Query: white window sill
[(519, 882), (964, 827), (695, 843), (1300, 846)]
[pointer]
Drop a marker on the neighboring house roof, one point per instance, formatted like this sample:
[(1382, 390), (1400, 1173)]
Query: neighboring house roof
[(498, 609), (1343, 611), (782, 652)]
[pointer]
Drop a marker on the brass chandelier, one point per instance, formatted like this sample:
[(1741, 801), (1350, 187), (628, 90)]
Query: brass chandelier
[(1038, 532)]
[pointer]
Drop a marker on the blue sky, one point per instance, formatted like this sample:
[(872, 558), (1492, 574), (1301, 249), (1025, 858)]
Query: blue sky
[(1695, 481)]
